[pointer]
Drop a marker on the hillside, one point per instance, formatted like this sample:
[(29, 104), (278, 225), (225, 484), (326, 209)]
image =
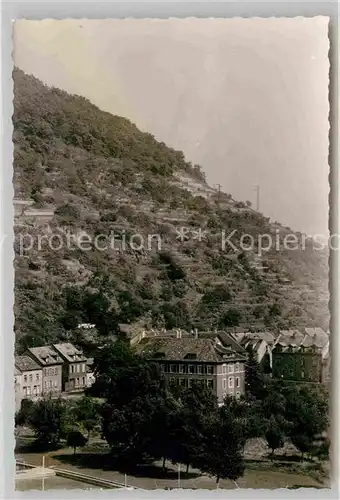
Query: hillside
[(79, 170)]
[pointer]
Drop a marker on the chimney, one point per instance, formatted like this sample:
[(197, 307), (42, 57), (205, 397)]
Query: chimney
[(196, 333)]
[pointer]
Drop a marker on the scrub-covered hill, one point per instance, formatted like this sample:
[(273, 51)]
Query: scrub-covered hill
[(115, 227)]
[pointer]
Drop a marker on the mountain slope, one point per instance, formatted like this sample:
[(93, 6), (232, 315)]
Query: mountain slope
[(79, 170)]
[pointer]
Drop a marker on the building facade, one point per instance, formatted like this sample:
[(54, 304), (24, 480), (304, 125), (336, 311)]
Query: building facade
[(301, 356), (74, 368), (203, 359), (51, 363), (28, 379)]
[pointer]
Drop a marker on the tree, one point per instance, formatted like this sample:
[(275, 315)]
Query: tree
[(253, 377), (221, 455), (47, 419), (231, 318), (86, 412), (249, 416), (22, 416), (307, 412), (274, 435), (188, 423), (75, 439)]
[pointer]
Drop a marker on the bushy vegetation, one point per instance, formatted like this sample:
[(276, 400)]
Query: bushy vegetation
[(145, 418), (102, 175)]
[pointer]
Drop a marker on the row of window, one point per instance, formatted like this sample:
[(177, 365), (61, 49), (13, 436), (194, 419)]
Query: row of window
[(231, 367), (28, 390), (78, 368), (189, 382), (30, 377), (191, 369), (50, 372), (79, 382), (231, 382), (50, 383)]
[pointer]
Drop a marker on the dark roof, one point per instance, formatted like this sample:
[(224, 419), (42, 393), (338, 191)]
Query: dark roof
[(45, 355), (180, 349), (69, 352), (225, 338), (25, 363)]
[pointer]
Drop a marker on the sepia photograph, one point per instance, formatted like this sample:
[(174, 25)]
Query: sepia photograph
[(171, 254)]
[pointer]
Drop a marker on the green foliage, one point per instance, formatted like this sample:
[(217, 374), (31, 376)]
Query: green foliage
[(274, 435), (87, 414), (253, 376), (104, 175), (75, 439), (222, 447), (23, 415), (48, 419)]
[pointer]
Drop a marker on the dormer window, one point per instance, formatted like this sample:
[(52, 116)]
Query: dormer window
[(190, 356), (159, 354)]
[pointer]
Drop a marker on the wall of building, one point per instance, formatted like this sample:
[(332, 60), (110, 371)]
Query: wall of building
[(31, 383), (52, 379), (75, 376), (18, 391), (301, 366), (230, 379)]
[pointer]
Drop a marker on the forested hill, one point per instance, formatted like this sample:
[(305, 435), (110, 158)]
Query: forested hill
[(80, 170)]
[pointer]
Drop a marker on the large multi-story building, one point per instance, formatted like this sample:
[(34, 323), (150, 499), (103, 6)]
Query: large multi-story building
[(74, 369), (212, 359), (301, 355), (51, 363)]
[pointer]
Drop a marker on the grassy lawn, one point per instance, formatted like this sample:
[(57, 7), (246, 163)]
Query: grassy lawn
[(95, 461)]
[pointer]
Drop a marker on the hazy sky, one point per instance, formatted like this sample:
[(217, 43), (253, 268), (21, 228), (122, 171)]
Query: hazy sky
[(247, 99)]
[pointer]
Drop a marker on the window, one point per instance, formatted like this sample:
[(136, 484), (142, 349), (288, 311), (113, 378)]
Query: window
[(31, 377), (34, 390), (210, 370), (166, 368), (315, 361), (56, 371), (15, 380), (25, 378), (210, 384), (200, 369), (25, 390), (50, 383), (56, 383), (38, 389), (237, 367), (237, 381), (45, 384), (37, 376), (230, 382), (28, 390), (83, 380), (231, 368), (191, 356), (224, 368), (224, 383), (181, 368), (302, 374), (192, 369), (174, 368), (238, 394)]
